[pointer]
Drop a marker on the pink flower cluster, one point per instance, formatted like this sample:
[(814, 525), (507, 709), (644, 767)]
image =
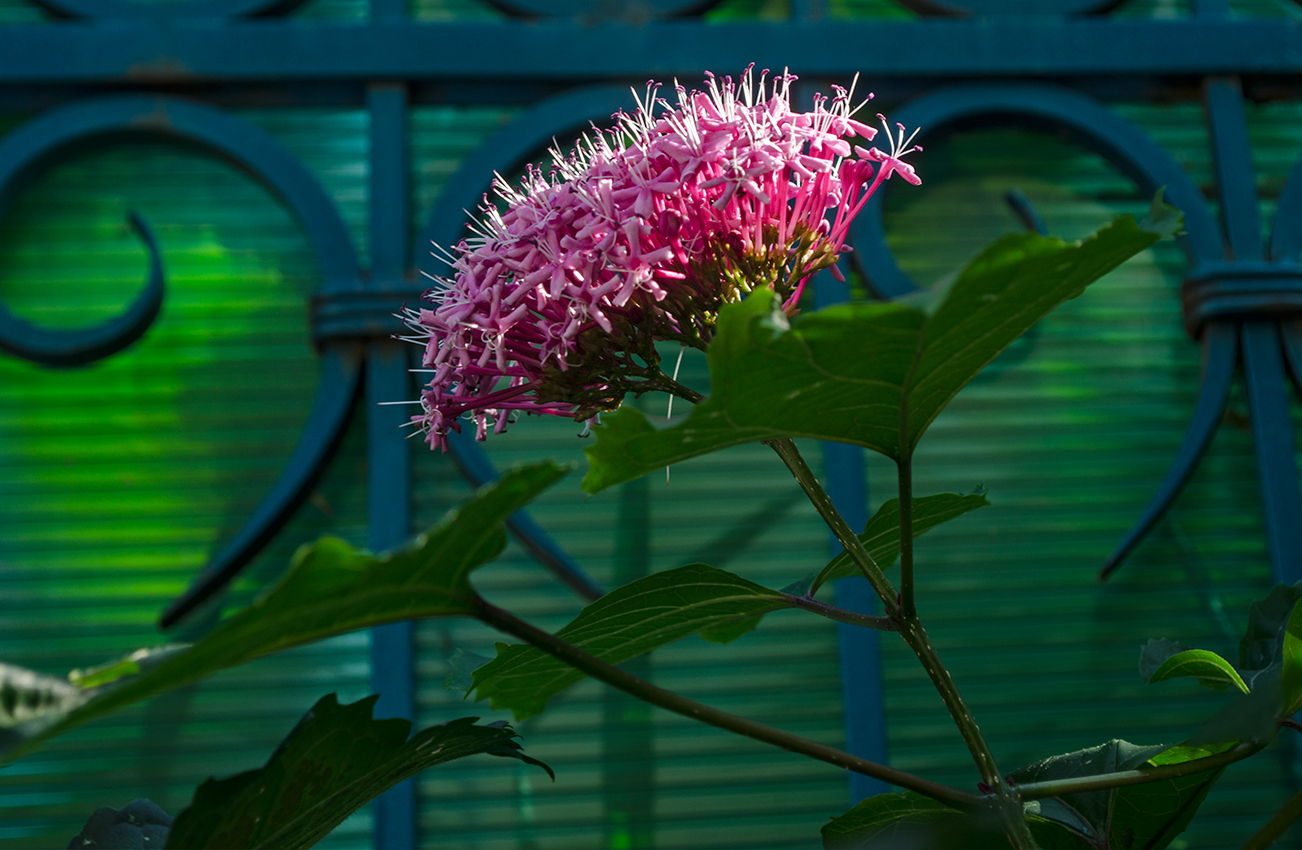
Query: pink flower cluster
[(640, 234)]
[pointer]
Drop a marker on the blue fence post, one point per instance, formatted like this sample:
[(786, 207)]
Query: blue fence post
[(388, 475), (846, 478)]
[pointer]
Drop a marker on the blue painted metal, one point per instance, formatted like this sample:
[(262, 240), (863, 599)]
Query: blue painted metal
[(862, 689), (590, 11), (40, 141), (1046, 108), (525, 138), (388, 458), (388, 500), (1240, 290), (507, 150), (1232, 156), (1240, 305), (190, 53), (340, 384), (1220, 354), (83, 346), (1272, 438), (1026, 212), (191, 10), (475, 465)]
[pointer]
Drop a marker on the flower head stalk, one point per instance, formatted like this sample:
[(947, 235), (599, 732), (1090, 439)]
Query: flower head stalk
[(555, 302)]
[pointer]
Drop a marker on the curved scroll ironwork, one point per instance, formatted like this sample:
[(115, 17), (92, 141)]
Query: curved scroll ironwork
[(604, 11), (1039, 107), (1234, 302), (504, 151), (1220, 355), (341, 368), (1010, 8), (83, 346), (252, 150), (195, 9)]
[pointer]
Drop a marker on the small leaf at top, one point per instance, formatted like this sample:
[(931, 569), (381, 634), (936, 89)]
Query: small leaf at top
[(881, 537), (332, 763), (873, 375), (1207, 667), (627, 622), (330, 589), (1155, 653)]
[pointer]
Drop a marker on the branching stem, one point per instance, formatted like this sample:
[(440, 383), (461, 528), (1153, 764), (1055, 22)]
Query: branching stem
[(841, 615), (670, 701), (1007, 803), (786, 449)]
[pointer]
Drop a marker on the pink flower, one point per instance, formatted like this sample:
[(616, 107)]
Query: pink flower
[(640, 234)]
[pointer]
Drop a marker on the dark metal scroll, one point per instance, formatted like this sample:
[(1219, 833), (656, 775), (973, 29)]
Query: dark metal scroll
[(1237, 305), (503, 152), (264, 158), (55, 133), (192, 10), (83, 346), (603, 11)]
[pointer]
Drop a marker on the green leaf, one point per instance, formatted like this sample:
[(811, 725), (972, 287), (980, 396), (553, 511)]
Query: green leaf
[(1291, 677), (1147, 816), (330, 589), (874, 375), (910, 821), (889, 820), (881, 536), (627, 622), (1261, 650), (332, 763), (1207, 667), (1154, 654)]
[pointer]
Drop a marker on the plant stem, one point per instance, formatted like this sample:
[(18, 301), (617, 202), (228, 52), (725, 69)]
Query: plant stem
[(1103, 781), (1007, 802), (1275, 827), (905, 477), (667, 384), (670, 701), (786, 449), (831, 612)]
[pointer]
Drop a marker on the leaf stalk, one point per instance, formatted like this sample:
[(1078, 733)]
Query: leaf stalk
[(841, 615), (905, 464), (1006, 799), (615, 677), (1121, 778)]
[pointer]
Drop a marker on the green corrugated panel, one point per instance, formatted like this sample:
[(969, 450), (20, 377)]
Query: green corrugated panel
[(1072, 432), (120, 480)]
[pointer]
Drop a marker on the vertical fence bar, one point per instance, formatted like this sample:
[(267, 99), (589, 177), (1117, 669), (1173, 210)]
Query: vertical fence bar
[(627, 730), (1236, 181), (860, 649), (1272, 437), (388, 475)]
